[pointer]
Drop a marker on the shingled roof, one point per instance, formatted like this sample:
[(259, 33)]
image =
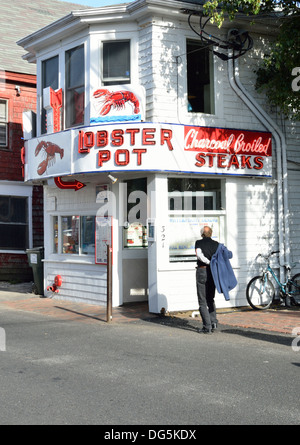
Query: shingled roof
[(19, 18)]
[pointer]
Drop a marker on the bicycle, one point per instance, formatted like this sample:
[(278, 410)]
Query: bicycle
[(260, 290)]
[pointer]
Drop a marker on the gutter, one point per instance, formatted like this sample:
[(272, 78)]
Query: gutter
[(282, 176)]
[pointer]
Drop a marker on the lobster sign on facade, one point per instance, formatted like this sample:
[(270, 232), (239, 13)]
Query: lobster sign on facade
[(117, 104), (48, 150)]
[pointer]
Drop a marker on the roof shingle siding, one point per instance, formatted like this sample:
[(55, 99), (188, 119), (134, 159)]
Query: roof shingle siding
[(19, 18)]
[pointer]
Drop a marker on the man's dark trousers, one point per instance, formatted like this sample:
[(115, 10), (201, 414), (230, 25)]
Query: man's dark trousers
[(206, 293)]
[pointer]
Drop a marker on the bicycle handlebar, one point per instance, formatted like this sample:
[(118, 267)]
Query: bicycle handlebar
[(268, 256)]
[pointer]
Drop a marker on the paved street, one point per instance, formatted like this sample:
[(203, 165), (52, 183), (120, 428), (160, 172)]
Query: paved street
[(71, 370)]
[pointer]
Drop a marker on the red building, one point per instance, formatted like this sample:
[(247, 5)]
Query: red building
[(21, 205)]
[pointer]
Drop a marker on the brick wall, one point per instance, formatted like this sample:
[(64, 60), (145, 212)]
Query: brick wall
[(14, 267)]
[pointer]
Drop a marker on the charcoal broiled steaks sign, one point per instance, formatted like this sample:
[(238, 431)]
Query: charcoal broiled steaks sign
[(148, 146)]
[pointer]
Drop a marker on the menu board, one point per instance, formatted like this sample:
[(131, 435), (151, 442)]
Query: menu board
[(184, 231), (103, 238)]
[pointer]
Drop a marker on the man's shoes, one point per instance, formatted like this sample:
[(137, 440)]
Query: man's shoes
[(206, 331), (214, 327)]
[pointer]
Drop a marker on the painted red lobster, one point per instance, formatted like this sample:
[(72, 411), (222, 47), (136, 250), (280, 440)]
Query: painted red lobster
[(116, 99), (50, 150)]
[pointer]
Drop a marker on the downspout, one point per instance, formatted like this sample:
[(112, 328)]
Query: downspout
[(280, 143)]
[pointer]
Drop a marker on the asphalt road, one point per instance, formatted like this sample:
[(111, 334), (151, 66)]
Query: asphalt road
[(61, 372)]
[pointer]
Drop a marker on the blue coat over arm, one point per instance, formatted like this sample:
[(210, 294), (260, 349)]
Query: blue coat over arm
[(222, 271)]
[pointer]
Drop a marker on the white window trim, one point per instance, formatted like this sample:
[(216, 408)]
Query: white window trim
[(75, 257), (9, 188), (115, 79), (5, 122), (132, 38)]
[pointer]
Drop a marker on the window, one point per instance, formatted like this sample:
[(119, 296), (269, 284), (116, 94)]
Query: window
[(13, 223), (70, 234), (3, 123), (186, 194), (75, 72), (55, 234), (135, 231), (77, 235), (193, 203), (200, 89), (116, 62), (49, 79)]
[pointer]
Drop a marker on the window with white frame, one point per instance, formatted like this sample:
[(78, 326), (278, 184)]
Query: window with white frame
[(75, 85), (14, 224), (200, 78), (74, 234), (116, 62), (193, 203), (3, 123)]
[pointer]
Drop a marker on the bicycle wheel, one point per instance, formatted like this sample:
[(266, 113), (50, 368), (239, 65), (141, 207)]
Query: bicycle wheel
[(260, 292), (294, 289)]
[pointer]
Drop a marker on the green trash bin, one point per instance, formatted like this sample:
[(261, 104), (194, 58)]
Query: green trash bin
[(35, 257)]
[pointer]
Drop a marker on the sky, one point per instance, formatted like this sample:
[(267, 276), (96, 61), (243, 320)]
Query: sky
[(98, 3)]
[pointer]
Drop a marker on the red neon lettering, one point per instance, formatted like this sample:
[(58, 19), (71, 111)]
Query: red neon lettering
[(103, 156), (148, 135), (221, 160), (245, 162), (81, 148), (139, 152), (102, 138), (200, 160), (166, 136), (211, 159), (89, 139), (259, 161), (233, 161), (132, 132), (117, 157), (117, 138)]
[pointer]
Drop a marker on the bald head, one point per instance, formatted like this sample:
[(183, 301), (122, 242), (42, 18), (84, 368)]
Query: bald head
[(206, 232)]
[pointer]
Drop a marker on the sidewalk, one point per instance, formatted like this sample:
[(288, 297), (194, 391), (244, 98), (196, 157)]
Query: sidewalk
[(20, 298)]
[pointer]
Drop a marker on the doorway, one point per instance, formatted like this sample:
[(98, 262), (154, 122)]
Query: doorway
[(134, 241)]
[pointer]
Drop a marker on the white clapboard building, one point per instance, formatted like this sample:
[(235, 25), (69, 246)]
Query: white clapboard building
[(145, 132)]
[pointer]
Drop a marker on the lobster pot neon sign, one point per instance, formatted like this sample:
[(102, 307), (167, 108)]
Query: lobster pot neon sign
[(118, 103), (149, 146)]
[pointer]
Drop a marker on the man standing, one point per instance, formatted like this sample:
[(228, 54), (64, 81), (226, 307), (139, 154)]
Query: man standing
[(205, 249)]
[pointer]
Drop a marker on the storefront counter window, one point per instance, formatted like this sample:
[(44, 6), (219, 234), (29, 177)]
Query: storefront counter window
[(75, 234), (70, 234)]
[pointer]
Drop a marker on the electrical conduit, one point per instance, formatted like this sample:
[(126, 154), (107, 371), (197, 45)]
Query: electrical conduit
[(282, 180)]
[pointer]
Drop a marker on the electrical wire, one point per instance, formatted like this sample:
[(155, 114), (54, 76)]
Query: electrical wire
[(239, 41)]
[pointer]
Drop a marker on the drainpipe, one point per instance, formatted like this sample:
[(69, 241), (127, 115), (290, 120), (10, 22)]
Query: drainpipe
[(280, 143)]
